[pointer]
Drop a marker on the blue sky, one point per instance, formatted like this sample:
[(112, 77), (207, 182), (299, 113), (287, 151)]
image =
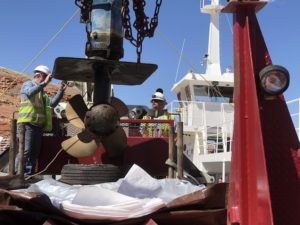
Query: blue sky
[(26, 26)]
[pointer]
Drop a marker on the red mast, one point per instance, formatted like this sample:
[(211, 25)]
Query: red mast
[(265, 168)]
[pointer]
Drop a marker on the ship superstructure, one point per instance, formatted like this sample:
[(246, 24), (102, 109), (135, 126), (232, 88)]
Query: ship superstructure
[(205, 104)]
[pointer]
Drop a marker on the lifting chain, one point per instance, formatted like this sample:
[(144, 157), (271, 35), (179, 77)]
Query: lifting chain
[(85, 10), (141, 24), (85, 17)]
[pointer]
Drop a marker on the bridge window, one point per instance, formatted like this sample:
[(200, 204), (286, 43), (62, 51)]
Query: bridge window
[(188, 93), (213, 94)]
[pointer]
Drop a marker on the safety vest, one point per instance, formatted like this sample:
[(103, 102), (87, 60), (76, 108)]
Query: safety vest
[(157, 129), (48, 113), (34, 111)]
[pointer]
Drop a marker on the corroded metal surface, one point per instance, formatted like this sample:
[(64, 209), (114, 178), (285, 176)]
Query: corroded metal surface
[(123, 73)]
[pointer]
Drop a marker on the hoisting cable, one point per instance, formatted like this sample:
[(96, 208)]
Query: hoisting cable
[(177, 51), (42, 50), (50, 41)]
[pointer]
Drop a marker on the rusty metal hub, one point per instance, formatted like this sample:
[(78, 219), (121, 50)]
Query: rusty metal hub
[(102, 119)]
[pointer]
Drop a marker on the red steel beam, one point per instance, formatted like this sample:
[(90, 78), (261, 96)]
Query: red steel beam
[(265, 168)]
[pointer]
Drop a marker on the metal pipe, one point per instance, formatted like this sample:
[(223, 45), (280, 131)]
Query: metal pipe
[(102, 86), (223, 170), (12, 148), (180, 150), (171, 152), (21, 148)]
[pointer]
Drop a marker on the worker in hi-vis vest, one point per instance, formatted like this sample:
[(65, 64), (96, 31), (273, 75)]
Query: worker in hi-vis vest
[(35, 112), (157, 112)]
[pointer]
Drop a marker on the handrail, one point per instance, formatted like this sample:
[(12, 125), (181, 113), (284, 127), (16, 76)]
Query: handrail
[(295, 113)]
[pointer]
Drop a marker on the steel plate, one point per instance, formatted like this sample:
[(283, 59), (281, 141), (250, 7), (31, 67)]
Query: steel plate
[(123, 73)]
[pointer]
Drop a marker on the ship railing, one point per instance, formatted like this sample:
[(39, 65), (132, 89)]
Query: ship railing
[(209, 6), (216, 139), (227, 127), (196, 114), (135, 128), (215, 130), (211, 121), (191, 112), (294, 109), (147, 128), (204, 3)]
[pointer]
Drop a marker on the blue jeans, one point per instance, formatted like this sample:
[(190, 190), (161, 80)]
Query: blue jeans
[(33, 140)]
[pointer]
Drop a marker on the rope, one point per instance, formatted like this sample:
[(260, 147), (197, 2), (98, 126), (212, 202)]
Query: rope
[(49, 164), (42, 50)]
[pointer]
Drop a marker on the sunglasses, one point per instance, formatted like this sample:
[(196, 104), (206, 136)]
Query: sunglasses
[(156, 100), (43, 74)]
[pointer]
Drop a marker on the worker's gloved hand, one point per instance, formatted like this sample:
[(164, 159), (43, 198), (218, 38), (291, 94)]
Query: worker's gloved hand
[(48, 78), (63, 85)]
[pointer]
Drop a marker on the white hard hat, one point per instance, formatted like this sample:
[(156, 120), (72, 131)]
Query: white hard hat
[(43, 69), (158, 95)]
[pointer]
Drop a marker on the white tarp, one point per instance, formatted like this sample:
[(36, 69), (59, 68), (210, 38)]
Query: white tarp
[(102, 204), (139, 184), (135, 195)]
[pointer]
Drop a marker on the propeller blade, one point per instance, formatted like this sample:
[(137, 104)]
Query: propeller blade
[(81, 145), (76, 110), (115, 143), (120, 106)]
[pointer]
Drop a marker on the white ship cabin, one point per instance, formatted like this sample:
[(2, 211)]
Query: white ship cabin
[(205, 105)]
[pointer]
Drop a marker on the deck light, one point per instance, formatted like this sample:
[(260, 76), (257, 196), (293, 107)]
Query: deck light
[(274, 79)]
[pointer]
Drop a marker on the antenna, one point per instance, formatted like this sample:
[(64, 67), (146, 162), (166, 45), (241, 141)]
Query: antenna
[(182, 47)]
